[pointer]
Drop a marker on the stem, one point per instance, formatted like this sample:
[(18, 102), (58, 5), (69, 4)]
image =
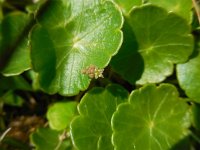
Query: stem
[(196, 8), (62, 137), (4, 134)]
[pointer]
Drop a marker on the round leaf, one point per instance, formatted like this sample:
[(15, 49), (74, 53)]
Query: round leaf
[(155, 116), (60, 53), (60, 114), (159, 40), (14, 44), (92, 129), (188, 75), (181, 7)]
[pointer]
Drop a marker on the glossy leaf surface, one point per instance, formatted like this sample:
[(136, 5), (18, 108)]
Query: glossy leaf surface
[(80, 38)]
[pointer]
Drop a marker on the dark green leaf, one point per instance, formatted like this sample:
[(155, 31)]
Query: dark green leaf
[(14, 50), (196, 113), (12, 99), (92, 129), (14, 83)]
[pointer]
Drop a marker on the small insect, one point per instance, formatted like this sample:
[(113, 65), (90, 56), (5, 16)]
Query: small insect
[(93, 72)]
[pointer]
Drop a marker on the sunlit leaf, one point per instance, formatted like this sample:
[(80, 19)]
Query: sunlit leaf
[(63, 45)]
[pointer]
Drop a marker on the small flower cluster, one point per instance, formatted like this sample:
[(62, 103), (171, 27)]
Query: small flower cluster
[(93, 72)]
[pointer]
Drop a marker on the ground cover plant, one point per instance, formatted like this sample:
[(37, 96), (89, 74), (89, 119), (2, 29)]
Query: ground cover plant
[(99, 75)]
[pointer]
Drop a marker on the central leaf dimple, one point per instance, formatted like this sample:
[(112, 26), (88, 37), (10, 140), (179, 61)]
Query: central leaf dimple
[(151, 124), (146, 49)]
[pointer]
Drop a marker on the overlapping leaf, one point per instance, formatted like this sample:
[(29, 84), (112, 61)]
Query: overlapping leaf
[(155, 118), (154, 41), (127, 5), (14, 50), (68, 40), (14, 83), (180, 7), (92, 129), (188, 75)]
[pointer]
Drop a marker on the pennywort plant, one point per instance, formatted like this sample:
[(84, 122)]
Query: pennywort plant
[(114, 74)]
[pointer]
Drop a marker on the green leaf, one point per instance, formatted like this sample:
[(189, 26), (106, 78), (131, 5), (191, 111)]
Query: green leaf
[(60, 114), (127, 5), (188, 75), (61, 51), (10, 98), (1, 12), (34, 7), (47, 139), (155, 116), (92, 129), (14, 83), (181, 7), (154, 41), (14, 50), (195, 114)]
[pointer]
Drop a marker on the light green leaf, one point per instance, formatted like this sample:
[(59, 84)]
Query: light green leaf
[(181, 7), (62, 50), (154, 41), (92, 129), (188, 75), (14, 50), (47, 139), (60, 114), (155, 116)]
